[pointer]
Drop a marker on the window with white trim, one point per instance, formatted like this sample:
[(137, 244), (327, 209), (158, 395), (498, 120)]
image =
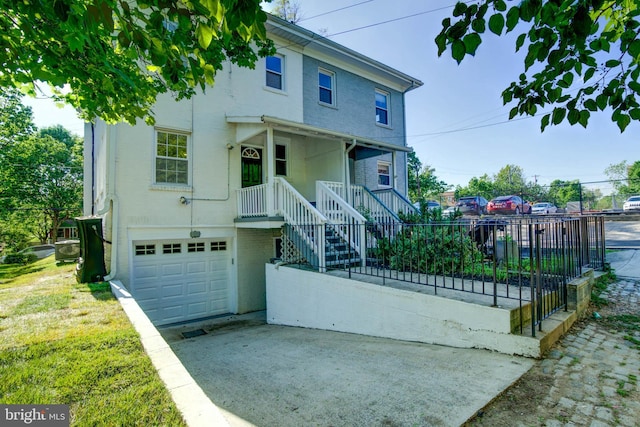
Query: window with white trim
[(171, 248), (195, 247), (145, 249), (384, 174), (218, 246), (382, 107), (281, 160), (275, 72), (172, 163), (326, 87)]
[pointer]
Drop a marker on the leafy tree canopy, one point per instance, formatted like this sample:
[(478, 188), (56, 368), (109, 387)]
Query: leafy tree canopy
[(586, 54), (117, 56), (423, 183), (16, 120), (40, 175)]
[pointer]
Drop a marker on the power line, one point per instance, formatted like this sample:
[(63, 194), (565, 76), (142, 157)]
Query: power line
[(394, 20), (335, 10)]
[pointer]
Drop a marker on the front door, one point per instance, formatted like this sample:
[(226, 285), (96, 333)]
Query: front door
[(251, 166)]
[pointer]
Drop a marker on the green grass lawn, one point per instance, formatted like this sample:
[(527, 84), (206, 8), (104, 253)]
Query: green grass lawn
[(67, 343)]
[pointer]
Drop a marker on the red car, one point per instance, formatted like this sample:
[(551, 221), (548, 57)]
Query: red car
[(508, 205)]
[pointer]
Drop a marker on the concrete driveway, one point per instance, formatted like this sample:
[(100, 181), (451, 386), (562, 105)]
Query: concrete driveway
[(622, 234), (267, 375)]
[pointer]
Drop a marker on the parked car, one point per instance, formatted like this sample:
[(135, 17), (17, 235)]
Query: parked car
[(450, 211), (631, 204), (476, 205), (544, 208), (429, 204), (39, 252), (508, 205)]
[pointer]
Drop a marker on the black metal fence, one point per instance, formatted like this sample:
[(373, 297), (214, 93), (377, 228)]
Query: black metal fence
[(526, 259)]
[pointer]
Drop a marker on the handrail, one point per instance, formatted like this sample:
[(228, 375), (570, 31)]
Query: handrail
[(395, 201), (338, 211), (299, 213)]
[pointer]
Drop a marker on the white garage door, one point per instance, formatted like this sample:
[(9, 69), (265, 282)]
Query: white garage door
[(180, 280)]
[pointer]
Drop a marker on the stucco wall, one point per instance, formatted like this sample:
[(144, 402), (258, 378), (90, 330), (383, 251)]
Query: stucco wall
[(257, 248)]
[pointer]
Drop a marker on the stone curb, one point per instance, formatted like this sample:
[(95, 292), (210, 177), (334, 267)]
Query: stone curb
[(196, 408)]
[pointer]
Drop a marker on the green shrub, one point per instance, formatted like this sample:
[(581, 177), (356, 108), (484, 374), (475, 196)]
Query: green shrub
[(441, 249)]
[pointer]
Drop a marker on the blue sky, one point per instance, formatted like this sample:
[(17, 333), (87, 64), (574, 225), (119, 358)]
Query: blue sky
[(455, 122)]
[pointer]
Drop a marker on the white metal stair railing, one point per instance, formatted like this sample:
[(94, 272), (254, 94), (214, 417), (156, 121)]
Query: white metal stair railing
[(306, 220), (365, 202), (395, 201), (342, 216)]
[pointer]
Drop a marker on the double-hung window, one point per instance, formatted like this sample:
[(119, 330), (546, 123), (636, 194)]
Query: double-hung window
[(326, 83), (281, 160), (382, 107), (384, 174), (275, 72), (172, 163)]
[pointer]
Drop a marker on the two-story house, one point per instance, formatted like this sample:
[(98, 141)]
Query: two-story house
[(195, 205)]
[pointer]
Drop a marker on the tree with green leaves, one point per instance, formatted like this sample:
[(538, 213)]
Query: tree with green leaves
[(509, 180), (561, 192), (40, 177), (16, 119), (625, 177), (117, 56), (289, 10), (423, 183), (583, 56), (478, 186)]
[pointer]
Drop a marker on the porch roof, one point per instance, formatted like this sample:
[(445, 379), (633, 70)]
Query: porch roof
[(308, 130)]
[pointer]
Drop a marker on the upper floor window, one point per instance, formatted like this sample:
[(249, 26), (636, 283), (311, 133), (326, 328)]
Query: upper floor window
[(172, 164), (384, 174), (325, 86), (382, 107), (281, 160), (275, 71)]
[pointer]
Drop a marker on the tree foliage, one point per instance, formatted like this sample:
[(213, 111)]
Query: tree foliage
[(423, 183), (117, 56), (289, 10), (625, 177), (40, 177), (581, 56)]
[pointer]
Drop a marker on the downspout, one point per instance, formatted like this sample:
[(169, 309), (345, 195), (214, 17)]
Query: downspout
[(111, 204), (347, 173), (93, 169)]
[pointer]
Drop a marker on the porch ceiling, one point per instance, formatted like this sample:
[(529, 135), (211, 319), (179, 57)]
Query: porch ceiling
[(366, 147)]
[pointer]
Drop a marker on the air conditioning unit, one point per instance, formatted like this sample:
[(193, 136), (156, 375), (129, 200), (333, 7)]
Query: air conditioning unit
[(68, 250)]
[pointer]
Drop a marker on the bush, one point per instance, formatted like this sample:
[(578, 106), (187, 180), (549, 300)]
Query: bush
[(434, 249), (18, 258)]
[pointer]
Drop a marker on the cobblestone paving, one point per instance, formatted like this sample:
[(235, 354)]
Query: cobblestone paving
[(596, 370), (590, 378)]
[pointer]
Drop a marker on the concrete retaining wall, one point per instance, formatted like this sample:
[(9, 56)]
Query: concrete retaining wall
[(312, 300)]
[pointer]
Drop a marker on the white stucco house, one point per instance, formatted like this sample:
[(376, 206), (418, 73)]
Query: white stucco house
[(195, 205)]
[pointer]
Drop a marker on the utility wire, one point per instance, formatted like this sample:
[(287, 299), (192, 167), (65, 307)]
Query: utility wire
[(335, 10)]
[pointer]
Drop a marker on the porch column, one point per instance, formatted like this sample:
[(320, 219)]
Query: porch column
[(347, 173), (394, 176), (268, 171)]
